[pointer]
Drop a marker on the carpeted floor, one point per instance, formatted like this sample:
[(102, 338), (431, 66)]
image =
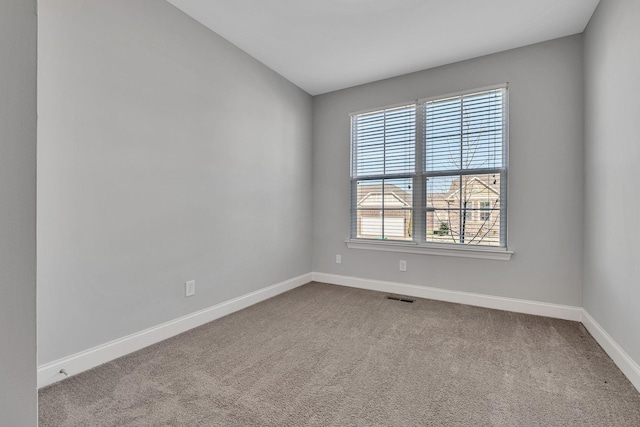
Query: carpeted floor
[(333, 356)]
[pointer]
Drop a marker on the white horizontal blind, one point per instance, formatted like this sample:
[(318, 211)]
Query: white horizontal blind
[(384, 142), (464, 132)]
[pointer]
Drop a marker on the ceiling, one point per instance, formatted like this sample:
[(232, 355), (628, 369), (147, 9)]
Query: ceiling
[(326, 45)]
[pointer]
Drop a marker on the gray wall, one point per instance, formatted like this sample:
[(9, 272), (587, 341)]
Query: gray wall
[(612, 156), (165, 154), (18, 26), (545, 215)]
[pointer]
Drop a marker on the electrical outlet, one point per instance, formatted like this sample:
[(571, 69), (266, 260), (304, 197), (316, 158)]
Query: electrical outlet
[(403, 265), (190, 288), (338, 259)]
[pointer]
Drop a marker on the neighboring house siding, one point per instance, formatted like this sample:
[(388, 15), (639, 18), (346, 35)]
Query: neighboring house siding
[(394, 211)]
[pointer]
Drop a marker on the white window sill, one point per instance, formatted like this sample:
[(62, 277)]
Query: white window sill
[(482, 252)]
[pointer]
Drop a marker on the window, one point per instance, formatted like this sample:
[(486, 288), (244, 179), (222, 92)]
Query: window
[(485, 211), (433, 171), (468, 210)]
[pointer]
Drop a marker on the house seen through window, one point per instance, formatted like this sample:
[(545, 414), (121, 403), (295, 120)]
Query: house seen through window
[(433, 171)]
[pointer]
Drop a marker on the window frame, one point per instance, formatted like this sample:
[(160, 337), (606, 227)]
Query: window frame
[(418, 242)]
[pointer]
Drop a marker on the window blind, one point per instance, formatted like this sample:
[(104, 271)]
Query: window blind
[(384, 142)]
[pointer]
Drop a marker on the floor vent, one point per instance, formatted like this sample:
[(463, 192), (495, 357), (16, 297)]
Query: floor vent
[(402, 299)]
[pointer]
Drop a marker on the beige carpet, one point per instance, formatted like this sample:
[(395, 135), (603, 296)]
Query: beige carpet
[(333, 356)]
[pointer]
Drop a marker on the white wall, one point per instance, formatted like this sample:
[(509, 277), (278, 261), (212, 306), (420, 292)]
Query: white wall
[(545, 214), (165, 154), (18, 398), (612, 156)]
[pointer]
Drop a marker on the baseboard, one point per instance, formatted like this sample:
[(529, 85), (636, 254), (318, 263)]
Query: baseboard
[(500, 303), (49, 373), (620, 357)]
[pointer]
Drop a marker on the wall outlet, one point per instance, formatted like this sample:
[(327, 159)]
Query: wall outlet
[(338, 259), (190, 288), (403, 265)]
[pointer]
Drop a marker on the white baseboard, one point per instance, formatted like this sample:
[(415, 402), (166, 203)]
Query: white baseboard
[(566, 312), (49, 373), (620, 357)]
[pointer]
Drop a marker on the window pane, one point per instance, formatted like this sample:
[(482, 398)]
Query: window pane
[(384, 142), (464, 209), (464, 132), (442, 209), (384, 209), (398, 209), (482, 130), (443, 130)]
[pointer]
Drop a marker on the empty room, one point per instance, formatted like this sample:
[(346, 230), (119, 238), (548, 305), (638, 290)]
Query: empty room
[(323, 212)]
